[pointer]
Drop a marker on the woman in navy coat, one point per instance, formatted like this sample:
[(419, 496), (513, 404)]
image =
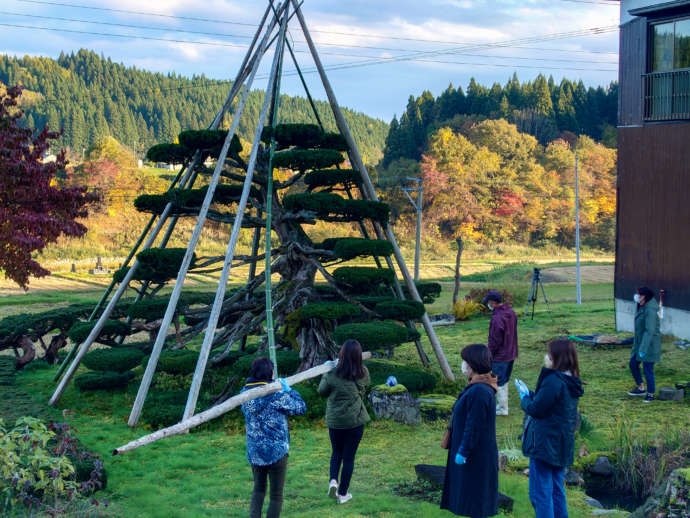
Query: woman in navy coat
[(471, 483)]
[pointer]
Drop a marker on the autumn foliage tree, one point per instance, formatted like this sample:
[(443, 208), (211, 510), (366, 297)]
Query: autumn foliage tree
[(34, 211)]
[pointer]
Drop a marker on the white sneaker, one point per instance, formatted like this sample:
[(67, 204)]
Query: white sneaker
[(333, 488), (344, 498)]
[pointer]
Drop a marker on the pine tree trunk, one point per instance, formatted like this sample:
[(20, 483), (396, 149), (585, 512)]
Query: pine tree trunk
[(456, 291)]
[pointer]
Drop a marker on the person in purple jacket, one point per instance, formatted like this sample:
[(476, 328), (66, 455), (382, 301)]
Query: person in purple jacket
[(503, 344)]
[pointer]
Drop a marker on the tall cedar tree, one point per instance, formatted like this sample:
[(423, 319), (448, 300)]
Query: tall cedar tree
[(33, 211)]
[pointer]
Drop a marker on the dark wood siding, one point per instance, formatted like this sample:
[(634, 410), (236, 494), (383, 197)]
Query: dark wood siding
[(653, 238), (633, 63)]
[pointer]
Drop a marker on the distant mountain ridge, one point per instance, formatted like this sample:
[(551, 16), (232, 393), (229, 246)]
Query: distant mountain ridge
[(92, 97)]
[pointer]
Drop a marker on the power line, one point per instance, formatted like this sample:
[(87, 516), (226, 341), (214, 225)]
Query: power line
[(145, 13)]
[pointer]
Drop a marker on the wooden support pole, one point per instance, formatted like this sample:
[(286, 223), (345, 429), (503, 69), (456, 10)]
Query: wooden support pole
[(370, 192), (230, 252), (223, 408)]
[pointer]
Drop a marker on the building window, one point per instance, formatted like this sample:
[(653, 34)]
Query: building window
[(667, 85)]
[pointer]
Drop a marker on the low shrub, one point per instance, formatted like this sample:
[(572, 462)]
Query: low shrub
[(316, 405), (164, 409), (466, 308), (416, 379), (436, 406), (288, 363), (477, 295), (166, 382), (103, 380), (362, 279), (154, 308), (402, 310), (180, 361), (116, 359), (372, 335), (111, 329)]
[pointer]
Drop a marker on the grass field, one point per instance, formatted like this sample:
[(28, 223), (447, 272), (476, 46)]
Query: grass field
[(205, 473)]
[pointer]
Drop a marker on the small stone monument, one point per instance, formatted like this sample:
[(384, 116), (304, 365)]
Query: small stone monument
[(99, 270), (74, 268), (396, 403)]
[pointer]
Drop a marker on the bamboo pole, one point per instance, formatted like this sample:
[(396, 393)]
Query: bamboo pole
[(369, 190), (223, 408), (227, 265)]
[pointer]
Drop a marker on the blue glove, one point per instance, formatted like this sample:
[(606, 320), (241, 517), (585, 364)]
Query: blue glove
[(391, 381), (459, 459), (641, 354), (284, 383), (331, 363), (521, 388)]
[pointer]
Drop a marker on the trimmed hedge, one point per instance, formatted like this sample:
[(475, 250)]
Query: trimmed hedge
[(156, 265), (416, 379), (316, 404), (428, 291), (164, 409), (99, 380), (153, 309), (169, 153), (400, 309), (287, 135), (306, 159), (327, 310), (334, 141), (189, 198), (115, 360), (372, 335), (362, 278), (331, 178), (179, 361), (210, 141), (81, 330), (331, 207)]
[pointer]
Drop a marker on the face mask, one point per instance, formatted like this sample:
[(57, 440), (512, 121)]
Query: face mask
[(636, 298), (491, 308), (548, 363), (465, 368)]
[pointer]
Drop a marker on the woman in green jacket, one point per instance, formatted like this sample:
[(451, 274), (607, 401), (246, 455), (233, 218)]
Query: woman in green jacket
[(646, 344), (346, 414)]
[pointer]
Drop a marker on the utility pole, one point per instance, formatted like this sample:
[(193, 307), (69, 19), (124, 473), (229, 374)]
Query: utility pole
[(577, 235), (418, 208)]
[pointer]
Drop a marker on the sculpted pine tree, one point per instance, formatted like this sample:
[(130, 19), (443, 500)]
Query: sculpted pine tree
[(312, 317)]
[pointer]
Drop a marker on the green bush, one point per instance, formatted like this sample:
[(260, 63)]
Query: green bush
[(112, 328), (288, 363), (331, 207), (362, 279), (300, 135), (316, 405), (334, 141), (156, 265), (307, 159), (169, 153), (116, 360), (189, 198), (153, 309), (164, 409), (416, 379), (103, 380), (229, 360), (210, 141), (332, 178), (327, 310), (179, 361), (436, 406), (350, 247), (428, 291), (372, 335), (400, 309)]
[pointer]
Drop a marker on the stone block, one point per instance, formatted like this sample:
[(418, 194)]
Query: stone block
[(395, 405), (671, 394)]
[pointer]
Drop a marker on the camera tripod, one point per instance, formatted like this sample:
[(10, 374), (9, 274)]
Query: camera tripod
[(537, 283)]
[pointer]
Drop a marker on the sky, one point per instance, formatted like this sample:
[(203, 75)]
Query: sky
[(378, 52)]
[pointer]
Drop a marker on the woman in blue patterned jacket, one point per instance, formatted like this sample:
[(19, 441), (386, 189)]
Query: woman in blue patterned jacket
[(268, 437)]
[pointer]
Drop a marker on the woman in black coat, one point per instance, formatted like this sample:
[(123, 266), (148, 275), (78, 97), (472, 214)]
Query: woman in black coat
[(471, 484)]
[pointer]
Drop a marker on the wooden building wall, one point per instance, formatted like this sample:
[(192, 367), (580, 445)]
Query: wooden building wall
[(633, 60), (653, 228)]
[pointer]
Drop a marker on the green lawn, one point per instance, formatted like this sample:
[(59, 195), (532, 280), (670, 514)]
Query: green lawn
[(205, 473)]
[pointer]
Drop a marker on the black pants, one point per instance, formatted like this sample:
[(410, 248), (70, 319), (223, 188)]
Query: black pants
[(276, 473), (344, 444)]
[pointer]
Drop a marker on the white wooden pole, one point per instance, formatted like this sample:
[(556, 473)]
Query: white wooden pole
[(228, 405), (236, 227), (186, 261), (370, 192)]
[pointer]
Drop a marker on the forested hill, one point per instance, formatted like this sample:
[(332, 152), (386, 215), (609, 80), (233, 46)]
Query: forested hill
[(92, 97), (542, 108)]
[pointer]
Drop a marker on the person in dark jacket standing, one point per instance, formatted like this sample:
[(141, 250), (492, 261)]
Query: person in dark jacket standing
[(471, 484), (268, 437), (346, 415), (646, 344), (503, 344), (549, 435)]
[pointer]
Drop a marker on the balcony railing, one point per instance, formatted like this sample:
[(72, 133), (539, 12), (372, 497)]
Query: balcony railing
[(667, 95)]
